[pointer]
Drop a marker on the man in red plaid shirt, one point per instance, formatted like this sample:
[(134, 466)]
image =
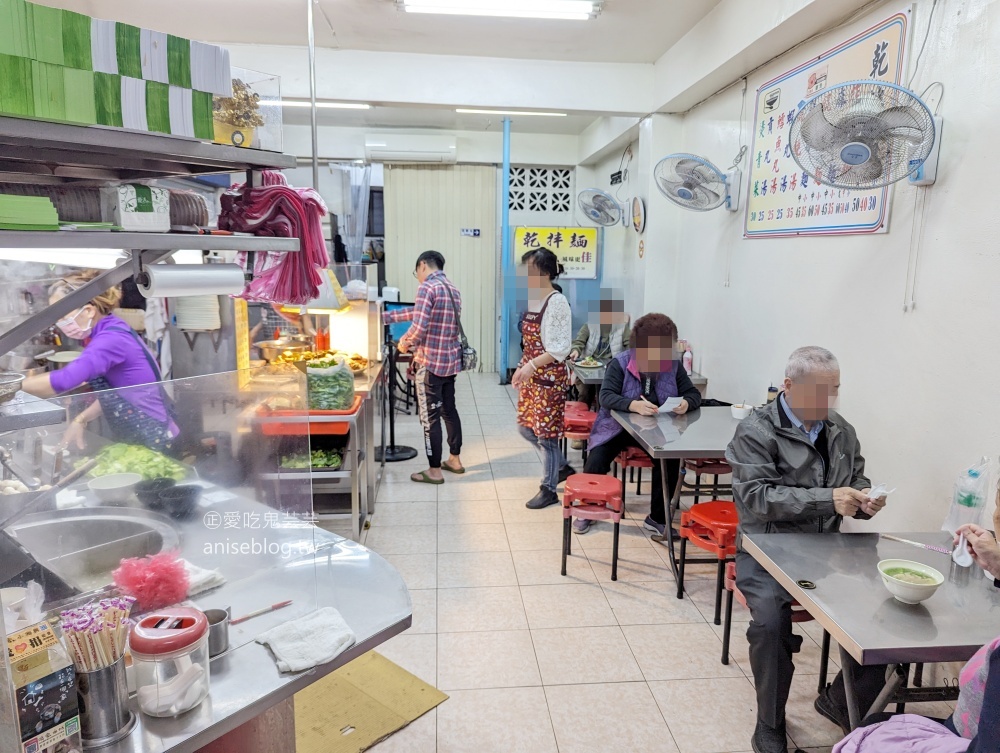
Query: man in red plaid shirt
[(435, 342)]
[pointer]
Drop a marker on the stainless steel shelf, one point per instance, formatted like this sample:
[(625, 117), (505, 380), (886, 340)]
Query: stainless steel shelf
[(33, 151), (143, 241)]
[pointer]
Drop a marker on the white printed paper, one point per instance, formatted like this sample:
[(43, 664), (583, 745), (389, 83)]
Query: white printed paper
[(670, 404)]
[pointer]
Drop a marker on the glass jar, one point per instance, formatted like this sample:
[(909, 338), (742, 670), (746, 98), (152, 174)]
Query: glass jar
[(170, 657)]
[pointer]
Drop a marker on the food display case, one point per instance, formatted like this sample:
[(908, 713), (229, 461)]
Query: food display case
[(220, 517)]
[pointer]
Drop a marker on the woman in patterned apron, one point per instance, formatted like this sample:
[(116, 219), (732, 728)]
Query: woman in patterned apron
[(541, 377), (117, 366)]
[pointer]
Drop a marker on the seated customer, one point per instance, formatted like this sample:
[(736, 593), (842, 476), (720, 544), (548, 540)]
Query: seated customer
[(983, 546), (797, 468), (639, 381), (973, 728)]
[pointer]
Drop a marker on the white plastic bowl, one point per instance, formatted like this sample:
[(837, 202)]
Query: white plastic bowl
[(910, 593), (115, 488), (741, 411)]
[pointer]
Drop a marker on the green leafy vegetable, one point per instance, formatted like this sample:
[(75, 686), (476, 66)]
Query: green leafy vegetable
[(130, 458), (330, 383), (329, 460)]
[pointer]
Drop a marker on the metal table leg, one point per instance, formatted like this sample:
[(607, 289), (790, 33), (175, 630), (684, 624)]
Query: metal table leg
[(354, 453), (673, 500), (846, 668)]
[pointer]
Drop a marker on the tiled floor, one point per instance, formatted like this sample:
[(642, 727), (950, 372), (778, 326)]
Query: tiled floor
[(536, 662)]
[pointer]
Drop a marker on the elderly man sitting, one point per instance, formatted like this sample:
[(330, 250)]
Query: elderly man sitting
[(797, 467)]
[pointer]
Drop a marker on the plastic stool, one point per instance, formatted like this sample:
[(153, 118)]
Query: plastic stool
[(592, 497), (713, 468), (710, 526), (633, 458)]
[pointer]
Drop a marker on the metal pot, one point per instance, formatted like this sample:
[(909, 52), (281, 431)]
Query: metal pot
[(271, 349), (9, 385), (19, 362)]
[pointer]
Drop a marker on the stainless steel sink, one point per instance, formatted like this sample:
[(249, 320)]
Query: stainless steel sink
[(83, 547)]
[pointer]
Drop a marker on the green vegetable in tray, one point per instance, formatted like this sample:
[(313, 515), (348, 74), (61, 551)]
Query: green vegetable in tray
[(328, 460), (130, 458), (330, 384)]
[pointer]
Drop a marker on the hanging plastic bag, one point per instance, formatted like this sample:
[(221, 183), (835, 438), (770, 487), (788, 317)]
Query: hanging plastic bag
[(330, 382), (969, 498)]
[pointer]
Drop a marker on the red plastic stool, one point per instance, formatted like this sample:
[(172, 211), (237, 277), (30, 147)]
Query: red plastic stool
[(577, 426), (633, 458), (710, 526), (577, 406), (798, 615), (592, 497), (713, 468)]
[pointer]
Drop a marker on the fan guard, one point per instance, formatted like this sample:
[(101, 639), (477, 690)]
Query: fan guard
[(691, 182)]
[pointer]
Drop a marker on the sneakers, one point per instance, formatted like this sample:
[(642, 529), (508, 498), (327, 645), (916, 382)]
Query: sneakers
[(565, 472), (544, 498), (651, 525), (578, 444), (768, 739), (581, 525), (827, 709)]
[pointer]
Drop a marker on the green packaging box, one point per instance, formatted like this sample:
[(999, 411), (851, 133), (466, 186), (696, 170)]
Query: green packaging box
[(76, 41), (45, 28), (16, 91), (81, 96), (108, 99)]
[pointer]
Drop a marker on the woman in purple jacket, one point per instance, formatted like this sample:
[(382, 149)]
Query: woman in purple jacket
[(113, 358), (639, 381)]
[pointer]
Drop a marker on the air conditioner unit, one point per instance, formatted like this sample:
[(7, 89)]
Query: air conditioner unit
[(401, 148)]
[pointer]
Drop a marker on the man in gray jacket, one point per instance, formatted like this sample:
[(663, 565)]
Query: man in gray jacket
[(797, 467)]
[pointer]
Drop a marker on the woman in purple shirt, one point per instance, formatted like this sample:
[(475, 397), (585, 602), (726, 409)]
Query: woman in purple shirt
[(113, 358)]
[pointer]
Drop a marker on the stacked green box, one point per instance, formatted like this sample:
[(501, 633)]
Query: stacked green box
[(179, 61), (129, 50), (76, 41), (81, 97), (201, 109), (49, 89), (14, 38), (108, 99), (16, 92), (158, 107), (46, 30)]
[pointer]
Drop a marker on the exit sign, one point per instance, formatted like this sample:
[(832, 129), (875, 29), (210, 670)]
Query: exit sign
[(468, 232)]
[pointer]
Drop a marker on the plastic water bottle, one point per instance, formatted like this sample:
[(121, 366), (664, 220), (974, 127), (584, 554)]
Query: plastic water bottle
[(688, 360), (967, 491)]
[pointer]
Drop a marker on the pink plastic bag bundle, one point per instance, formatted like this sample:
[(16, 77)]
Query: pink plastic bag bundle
[(279, 211)]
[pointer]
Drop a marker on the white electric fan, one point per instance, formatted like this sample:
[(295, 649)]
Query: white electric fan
[(865, 134), (600, 207), (694, 183)]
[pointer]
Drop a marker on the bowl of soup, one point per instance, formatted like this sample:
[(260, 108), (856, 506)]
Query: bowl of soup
[(909, 582)]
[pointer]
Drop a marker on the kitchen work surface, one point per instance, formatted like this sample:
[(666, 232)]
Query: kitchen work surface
[(522, 651), (836, 578)]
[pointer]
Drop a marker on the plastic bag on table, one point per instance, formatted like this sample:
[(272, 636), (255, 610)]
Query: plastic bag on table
[(330, 384), (969, 498)]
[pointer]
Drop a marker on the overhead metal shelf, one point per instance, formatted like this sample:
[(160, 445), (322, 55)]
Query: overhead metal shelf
[(143, 241), (33, 151)]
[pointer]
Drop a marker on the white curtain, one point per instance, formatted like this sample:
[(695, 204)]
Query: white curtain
[(356, 181)]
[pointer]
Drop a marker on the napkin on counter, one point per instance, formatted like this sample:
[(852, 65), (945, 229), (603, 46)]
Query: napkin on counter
[(201, 580), (310, 640)]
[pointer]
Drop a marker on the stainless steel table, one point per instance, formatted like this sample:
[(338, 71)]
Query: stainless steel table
[(851, 603), (703, 434), (595, 376)]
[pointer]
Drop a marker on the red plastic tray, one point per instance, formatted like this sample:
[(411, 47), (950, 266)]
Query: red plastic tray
[(326, 428)]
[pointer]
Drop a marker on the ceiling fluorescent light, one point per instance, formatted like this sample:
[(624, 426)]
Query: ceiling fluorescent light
[(327, 105), (572, 10), (466, 111)]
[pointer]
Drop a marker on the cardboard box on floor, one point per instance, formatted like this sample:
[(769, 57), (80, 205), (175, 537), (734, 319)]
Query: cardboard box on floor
[(360, 705)]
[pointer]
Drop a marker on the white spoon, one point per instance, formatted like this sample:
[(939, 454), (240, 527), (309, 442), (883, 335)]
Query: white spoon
[(960, 554)]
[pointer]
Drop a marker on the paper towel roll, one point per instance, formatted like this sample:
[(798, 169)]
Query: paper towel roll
[(178, 280)]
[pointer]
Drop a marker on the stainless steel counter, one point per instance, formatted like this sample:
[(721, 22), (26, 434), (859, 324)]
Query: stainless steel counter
[(595, 376), (698, 435)]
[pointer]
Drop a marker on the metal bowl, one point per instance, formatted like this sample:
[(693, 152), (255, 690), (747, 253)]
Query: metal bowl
[(271, 349), (9, 385)]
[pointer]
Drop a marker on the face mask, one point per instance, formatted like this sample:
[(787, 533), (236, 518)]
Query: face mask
[(69, 327)]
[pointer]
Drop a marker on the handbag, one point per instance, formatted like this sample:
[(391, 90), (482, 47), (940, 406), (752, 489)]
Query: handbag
[(470, 359)]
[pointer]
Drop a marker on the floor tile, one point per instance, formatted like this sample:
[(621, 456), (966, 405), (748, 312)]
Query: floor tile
[(403, 490), (528, 472), (566, 606), (600, 537), (547, 533), (633, 722), (578, 656), (649, 604), (639, 565), (403, 539), (475, 569), (418, 570), (469, 661), (472, 538), (405, 514), (539, 568), (417, 654), (509, 720), (678, 652), (425, 611), (519, 488), (480, 609), (419, 736), (468, 488), (514, 511), (683, 703), (807, 728), (522, 453), (469, 512)]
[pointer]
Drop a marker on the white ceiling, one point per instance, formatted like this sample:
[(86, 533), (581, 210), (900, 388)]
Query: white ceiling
[(628, 31), (420, 117)]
